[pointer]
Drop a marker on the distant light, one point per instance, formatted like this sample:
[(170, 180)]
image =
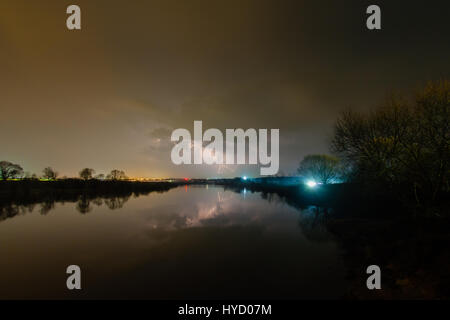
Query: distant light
[(186, 179), (244, 178), (311, 183)]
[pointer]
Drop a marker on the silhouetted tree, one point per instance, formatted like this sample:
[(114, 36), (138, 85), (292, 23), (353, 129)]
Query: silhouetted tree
[(83, 205), (10, 170), (86, 173), (97, 201), (321, 168), (117, 175), (432, 131), (116, 202), (9, 211), (401, 143), (100, 176), (49, 173), (47, 206)]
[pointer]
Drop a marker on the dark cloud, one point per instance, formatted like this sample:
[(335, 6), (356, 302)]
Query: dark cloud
[(102, 97)]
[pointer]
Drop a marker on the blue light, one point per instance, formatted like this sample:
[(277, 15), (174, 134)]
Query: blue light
[(311, 183), (244, 178)]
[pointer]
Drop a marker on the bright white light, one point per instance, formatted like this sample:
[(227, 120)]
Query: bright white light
[(311, 183), (244, 178)]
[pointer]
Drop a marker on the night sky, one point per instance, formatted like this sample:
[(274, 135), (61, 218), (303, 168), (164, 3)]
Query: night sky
[(108, 96)]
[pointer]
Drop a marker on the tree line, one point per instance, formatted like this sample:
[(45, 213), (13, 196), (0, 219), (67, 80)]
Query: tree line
[(9, 170)]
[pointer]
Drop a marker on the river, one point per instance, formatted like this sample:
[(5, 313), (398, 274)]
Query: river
[(191, 242)]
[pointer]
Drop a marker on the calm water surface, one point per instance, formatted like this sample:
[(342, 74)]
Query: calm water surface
[(187, 243)]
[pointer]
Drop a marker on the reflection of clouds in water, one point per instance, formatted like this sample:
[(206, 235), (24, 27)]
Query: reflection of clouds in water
[(210, 209), (173, 217), (223, 210), (161, 218)]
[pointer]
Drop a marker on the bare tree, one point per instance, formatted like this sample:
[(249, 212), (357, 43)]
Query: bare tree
[(116, 175), (9, 170), (49, 173), (401, 143), (432, 110), (372, 143), (321, 168), (86, 173), (100, 176)]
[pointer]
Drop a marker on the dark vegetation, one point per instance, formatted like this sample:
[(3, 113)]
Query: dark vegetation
[(402, 147), (322, 168)]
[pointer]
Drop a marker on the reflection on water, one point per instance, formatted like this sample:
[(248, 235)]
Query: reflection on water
[(190, 242), (83, 205)]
